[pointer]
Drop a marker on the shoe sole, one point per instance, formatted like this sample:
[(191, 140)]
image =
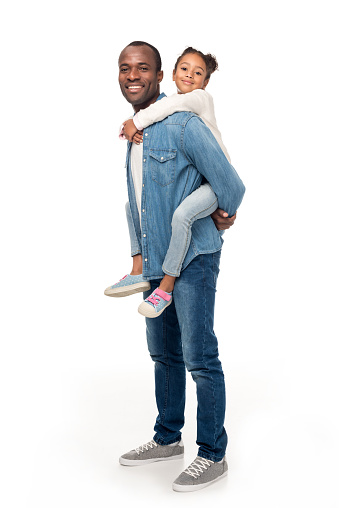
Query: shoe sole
[(148, 311), (131, 462), (191, 488), (128, 290)]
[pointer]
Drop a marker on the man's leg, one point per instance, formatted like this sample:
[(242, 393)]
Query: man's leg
[(164, 345), (194, 298)]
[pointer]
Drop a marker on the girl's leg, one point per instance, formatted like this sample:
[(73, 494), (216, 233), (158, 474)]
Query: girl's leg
[(134, 282), (167, 283), (201, 203), (135, 247)]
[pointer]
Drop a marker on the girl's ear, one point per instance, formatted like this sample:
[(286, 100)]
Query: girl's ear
[(205, 83), (173, 74)]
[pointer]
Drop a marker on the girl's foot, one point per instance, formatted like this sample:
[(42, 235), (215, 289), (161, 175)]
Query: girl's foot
[(167, 283), (155, 304), (128, 285)]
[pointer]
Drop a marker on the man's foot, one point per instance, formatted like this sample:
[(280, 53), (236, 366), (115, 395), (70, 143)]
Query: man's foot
[(155, 304), (152, 452), (128, 285), (200, 474)]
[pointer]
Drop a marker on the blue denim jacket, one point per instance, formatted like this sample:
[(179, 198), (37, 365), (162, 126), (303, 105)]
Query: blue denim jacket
[(177, 153)]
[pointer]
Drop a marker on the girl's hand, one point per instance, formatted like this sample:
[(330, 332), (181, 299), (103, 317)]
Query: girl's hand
[(137, 138), (129, 129)]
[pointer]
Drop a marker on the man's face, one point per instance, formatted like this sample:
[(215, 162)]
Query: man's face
[(138, 79)]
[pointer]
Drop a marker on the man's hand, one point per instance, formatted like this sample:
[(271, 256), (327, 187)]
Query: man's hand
[(131, 132), (222, 220)]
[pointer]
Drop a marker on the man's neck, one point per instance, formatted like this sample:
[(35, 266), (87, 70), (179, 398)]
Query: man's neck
[(145, 105)]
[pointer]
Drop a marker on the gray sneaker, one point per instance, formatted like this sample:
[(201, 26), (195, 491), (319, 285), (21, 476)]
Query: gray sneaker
[(152, 452), (200, 474)]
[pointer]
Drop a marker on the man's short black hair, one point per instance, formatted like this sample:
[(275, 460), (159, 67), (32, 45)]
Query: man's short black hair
[(155, 51)]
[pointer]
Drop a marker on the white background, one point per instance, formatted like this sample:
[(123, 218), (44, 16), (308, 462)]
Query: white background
[(76, 378)]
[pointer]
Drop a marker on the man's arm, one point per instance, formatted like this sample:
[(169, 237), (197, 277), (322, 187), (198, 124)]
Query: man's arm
[(202, 149)]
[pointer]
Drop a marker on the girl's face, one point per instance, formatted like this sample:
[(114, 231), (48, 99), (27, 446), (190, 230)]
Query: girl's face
[(191, 73)]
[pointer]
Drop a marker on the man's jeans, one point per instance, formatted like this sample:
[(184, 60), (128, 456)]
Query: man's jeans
[(182, 336)]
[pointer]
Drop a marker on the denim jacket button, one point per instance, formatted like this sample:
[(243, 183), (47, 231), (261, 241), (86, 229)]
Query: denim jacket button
[(145, 259)]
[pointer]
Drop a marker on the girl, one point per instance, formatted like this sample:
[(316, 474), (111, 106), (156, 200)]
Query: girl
[(191, 75)]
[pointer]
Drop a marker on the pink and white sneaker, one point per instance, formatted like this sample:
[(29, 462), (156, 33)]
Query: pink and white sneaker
[(155, 304)]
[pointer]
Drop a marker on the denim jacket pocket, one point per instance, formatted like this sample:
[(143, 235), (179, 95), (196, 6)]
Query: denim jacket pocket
[(163, 166)]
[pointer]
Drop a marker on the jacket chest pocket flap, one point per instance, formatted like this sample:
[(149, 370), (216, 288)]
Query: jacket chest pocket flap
[(163, 166)]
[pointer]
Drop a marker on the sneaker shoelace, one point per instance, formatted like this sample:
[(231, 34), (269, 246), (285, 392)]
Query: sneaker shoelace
[(145, 447), (154, 299), (198, 466)]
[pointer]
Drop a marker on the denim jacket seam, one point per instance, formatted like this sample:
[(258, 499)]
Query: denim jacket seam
[(183, 135)]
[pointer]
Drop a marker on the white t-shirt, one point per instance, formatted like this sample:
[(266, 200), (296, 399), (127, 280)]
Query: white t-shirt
[(136, 168)]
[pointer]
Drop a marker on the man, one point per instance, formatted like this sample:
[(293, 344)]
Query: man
[(175, 155)]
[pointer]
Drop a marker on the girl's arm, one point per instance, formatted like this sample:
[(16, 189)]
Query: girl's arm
[(197, 101)]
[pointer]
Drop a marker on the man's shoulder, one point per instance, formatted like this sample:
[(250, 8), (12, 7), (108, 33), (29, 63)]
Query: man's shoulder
[(180, 118)]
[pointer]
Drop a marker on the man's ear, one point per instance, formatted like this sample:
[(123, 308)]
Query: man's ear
[(205, 83), (160, 76)]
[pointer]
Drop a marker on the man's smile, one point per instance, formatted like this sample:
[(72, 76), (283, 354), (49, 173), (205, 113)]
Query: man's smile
[(134, 89)]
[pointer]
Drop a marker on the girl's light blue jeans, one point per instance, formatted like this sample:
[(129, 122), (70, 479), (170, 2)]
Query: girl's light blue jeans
[(201, 203)]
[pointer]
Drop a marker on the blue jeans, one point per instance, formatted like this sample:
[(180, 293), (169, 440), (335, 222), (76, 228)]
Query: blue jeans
[(181, 338), (201, 203)]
